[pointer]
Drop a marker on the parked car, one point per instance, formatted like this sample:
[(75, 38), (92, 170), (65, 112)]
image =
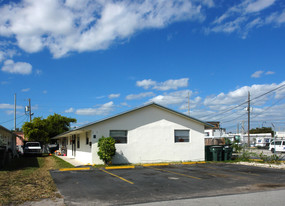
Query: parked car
[(32, 148), (277, 146)]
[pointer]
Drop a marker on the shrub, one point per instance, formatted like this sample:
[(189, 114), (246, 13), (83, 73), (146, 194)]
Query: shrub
[(107, 149), (271, 159)]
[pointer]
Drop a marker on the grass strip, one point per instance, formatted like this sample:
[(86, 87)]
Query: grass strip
[(28, 179)]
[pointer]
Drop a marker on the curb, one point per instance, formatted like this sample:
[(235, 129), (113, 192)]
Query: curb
[(75, 169), (155, 164), (119, 167)]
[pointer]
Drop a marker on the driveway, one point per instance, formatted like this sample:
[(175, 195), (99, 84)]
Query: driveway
[(163, 183)]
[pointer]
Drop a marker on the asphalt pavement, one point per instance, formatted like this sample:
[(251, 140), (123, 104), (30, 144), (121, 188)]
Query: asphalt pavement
[(178, 183)]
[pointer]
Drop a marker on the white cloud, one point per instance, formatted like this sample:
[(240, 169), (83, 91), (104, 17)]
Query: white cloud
[(2, 56), (146, 83), (258, 5), (70, 110), (163, 86), (241, 95), (45, 92), (112, 96), (243, 17), (9, 106), (270, 72), (139, 96), (26, 90), (172, 98), (193, 103), (74, 25), (105, 109), (17, 68), (257, 74), (171, 84)]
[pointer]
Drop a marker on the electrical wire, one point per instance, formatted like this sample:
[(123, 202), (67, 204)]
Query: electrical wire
[(12, 119), (246, 102)]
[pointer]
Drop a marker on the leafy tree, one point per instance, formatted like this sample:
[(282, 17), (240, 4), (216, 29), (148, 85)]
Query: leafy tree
[(36, 130), (57, 124), (258, 130), (107, 149), (43, 129)]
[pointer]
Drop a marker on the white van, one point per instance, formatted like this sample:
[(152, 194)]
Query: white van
[(277, 145)]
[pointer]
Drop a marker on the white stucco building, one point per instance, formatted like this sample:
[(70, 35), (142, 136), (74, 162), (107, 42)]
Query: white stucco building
[(151, 133)]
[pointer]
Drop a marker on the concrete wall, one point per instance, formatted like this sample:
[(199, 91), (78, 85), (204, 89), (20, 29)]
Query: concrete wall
[(83, 153), (151, 137)]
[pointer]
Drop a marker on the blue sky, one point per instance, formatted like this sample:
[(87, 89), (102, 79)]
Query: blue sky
[(93, 59)]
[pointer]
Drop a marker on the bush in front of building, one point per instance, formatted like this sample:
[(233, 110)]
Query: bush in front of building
[(107, 149)]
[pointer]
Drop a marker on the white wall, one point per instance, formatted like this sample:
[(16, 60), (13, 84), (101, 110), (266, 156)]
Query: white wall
[(151, 137), (82, 154)]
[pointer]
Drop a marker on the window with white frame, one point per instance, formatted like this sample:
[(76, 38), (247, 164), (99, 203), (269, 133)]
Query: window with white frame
[(120, 136), (181, 135)]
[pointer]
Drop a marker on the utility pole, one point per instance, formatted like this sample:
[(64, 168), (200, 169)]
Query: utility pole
[(15, 112), (238, 128), (248, 119)]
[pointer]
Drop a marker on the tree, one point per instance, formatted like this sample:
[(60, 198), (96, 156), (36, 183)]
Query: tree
[(57, 124), (36, 130), (258, 130), (107, 149), (44, 129)]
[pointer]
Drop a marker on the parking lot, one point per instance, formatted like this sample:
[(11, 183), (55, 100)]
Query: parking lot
[(161, 183)]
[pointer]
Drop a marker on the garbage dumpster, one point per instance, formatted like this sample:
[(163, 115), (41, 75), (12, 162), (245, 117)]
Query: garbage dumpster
[(208, 153), (217, 153), (227, 151)]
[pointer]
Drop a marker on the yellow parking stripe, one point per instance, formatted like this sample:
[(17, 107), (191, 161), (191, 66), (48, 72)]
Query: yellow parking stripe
[(177, 173), (75, 169), (155, 164), (119, 167), (117, 176)]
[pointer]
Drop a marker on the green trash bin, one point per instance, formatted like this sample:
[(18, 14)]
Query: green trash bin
[(208, 153), (217, 152), (227, 151)]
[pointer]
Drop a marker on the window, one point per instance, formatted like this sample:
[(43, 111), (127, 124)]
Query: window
[(87, 138), (119, 135), (181, 135), (78, 141), (276, 143), (283, 142)]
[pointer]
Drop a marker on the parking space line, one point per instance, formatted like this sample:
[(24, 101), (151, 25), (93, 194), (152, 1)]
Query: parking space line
[(177, 173), (75, 169), (117, 176)]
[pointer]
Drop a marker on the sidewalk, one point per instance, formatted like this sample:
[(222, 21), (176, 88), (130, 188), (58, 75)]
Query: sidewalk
[(72, 161), (265, 198)]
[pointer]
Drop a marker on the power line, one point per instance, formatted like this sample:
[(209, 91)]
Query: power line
[(11, 119), (246, 102)]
